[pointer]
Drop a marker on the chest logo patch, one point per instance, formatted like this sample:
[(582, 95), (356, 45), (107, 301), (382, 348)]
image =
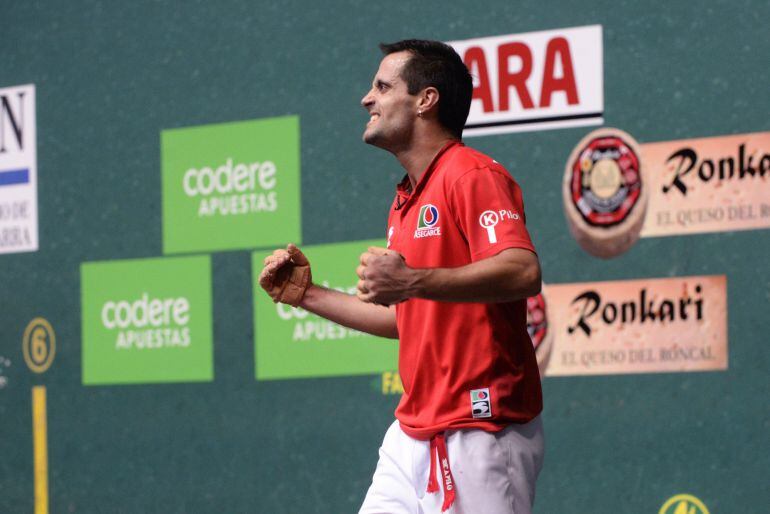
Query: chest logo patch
[(427, 222)]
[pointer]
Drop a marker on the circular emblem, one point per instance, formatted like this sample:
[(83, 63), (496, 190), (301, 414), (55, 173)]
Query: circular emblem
[(489, 219), (604, 193), (606, 180), (482, 395), (537, 327), (39, 345), (684, 504)]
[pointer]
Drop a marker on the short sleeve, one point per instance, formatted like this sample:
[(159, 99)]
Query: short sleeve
[(487, 206)]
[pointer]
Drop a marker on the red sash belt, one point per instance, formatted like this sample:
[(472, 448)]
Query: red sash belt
[(438, 447)]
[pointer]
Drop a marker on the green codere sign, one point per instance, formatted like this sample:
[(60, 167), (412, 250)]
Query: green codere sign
[(227, 186), (147, 321), (293, 343)]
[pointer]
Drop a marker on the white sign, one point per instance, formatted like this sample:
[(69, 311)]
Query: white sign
[(18, 170), (535, 81)]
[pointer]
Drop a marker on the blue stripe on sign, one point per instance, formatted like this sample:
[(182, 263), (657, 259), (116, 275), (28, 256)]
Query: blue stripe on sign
[(11, 177)]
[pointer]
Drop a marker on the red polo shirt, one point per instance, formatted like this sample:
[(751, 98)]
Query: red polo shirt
[(463, 365)]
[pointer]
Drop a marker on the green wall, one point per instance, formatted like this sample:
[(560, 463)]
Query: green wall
[(111, 76)]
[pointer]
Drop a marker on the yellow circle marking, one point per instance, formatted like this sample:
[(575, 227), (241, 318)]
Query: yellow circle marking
[(683, 504), (39, 345)]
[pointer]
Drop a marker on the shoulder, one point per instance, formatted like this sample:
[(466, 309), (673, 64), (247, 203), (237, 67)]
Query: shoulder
[(465, 163)]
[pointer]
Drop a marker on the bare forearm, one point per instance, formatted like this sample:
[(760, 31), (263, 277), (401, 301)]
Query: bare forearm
[(472, 285), (497, 279), (385, 278), (351, 312)]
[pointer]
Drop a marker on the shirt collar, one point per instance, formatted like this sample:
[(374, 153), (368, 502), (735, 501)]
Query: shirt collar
[(404, 188)]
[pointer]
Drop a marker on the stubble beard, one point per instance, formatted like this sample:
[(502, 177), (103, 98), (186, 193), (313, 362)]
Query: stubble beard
[(377, 139), (390, 144), (370, 138)]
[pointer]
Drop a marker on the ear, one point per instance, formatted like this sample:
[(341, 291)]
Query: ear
[(427, 99)]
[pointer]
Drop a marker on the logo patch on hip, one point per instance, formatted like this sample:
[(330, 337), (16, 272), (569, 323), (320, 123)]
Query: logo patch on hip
[(481, 404)]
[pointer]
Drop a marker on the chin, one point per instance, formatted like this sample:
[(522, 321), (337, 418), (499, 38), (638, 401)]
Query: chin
[(371, 138), (379, 139)]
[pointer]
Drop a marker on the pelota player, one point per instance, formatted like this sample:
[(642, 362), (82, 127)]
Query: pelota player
[(452, 287)]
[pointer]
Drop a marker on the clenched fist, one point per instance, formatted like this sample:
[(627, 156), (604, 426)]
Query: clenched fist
[(286, 275), (384, 277)]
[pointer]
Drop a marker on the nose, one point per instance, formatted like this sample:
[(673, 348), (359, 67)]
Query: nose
[(367, 100)]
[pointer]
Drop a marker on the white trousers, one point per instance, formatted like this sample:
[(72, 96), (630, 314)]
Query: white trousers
[(494, 473)]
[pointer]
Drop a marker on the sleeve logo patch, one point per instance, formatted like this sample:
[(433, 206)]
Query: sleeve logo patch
[(481, 405), (490, 219)]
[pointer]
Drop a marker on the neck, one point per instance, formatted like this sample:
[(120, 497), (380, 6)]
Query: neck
[(416, 157)]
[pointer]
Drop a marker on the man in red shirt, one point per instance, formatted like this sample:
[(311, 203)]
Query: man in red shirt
[(452, 287)]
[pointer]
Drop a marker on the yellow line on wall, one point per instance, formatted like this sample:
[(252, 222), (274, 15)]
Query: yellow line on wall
[(40, 448)]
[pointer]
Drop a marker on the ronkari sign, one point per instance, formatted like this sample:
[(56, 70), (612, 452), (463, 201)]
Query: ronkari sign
[(535, 81), (147, 321), (228, 186), (633, 326), (712, 184), (18, 170), (294, 343), (616, 190)]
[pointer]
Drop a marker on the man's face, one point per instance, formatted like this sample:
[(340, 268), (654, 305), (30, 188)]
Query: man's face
[(392, 109)]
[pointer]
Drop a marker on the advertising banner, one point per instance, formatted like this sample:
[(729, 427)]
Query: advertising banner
[(535, 81), (710, 184), (227, 186), (616, 190), (638, 326), (18, 170), (147, 321), (293, 343)]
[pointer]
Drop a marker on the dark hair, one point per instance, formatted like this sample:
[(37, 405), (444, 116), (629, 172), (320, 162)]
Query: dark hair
[(437, 64)]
